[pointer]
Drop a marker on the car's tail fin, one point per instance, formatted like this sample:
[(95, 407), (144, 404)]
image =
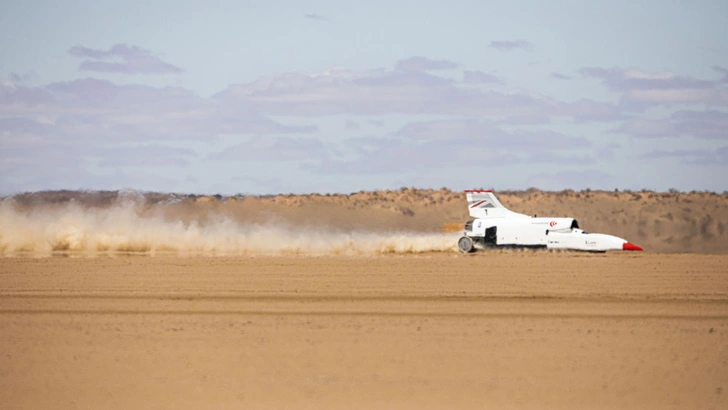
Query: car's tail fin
[(482, 203)]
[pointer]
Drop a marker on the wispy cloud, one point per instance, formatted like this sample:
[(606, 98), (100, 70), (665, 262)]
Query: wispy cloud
[(21, 126), (480, 132), (420, 63), (641, 89), (479, 77), (625, 79), (718, 156), (382, 91), (708, 125), (122, 59), (22, 98), (127, 129), (723, 71), (316, 17), (271, 149), (451, 143), (29, 75), (99, 110), (511, 45), (121, 127), (65, 165), (145, 156), (559, 76)]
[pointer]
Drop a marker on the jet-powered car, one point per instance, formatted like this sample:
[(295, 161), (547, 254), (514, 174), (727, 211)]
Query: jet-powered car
[(496, 226)]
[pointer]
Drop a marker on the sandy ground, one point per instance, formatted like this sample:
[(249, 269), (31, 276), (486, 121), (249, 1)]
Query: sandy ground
[(435, 330)]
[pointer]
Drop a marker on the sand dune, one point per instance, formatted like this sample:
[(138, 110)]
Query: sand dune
[(406, 220)]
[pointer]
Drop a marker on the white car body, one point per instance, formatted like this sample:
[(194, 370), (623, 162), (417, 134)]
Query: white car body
[(494, 225)]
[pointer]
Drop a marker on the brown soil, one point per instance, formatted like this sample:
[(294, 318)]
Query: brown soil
[(489, 330)]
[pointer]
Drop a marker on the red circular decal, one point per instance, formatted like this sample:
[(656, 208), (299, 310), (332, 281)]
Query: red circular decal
[(552, 223)]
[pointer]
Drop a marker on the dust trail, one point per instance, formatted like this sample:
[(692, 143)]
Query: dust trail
[(129, 226)]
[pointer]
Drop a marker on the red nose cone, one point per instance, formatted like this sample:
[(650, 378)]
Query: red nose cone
[(630, 247)]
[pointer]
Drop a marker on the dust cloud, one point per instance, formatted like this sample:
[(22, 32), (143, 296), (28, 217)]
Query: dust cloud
[(131, 226)]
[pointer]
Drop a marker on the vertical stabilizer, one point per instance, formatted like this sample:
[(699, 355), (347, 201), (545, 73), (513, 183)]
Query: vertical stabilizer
[(483, 204)]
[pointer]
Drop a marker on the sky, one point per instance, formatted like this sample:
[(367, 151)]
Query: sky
[(263, 97)]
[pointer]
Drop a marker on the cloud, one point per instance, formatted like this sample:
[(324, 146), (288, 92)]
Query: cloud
[(723, 71), (419, 63), (383, 156), (585, 110), (708, 124), (122, 59), (17, 98), (104, 154), (717, 156), (92, 109), (116, 128), (21, 126), (551, 157), (316, 17), (609, 151), (623, 79), (410, 79), (454, 143), (479, 77), (486, 132), (646, 128), (642, 89), (511, 45), (384, 92), (121, 127), (68, 166), (102, 94), (145, 156), (74, 128), (679, 153), (272, 149), (560, 76), (29, 75), (525, 120)]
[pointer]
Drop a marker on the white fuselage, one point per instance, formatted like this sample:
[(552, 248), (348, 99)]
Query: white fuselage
[(551, 233), (495, 225), (580, 240)]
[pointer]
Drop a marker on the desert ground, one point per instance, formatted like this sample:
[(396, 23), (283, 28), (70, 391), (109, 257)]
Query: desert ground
[(434, 330), (127, 300)]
